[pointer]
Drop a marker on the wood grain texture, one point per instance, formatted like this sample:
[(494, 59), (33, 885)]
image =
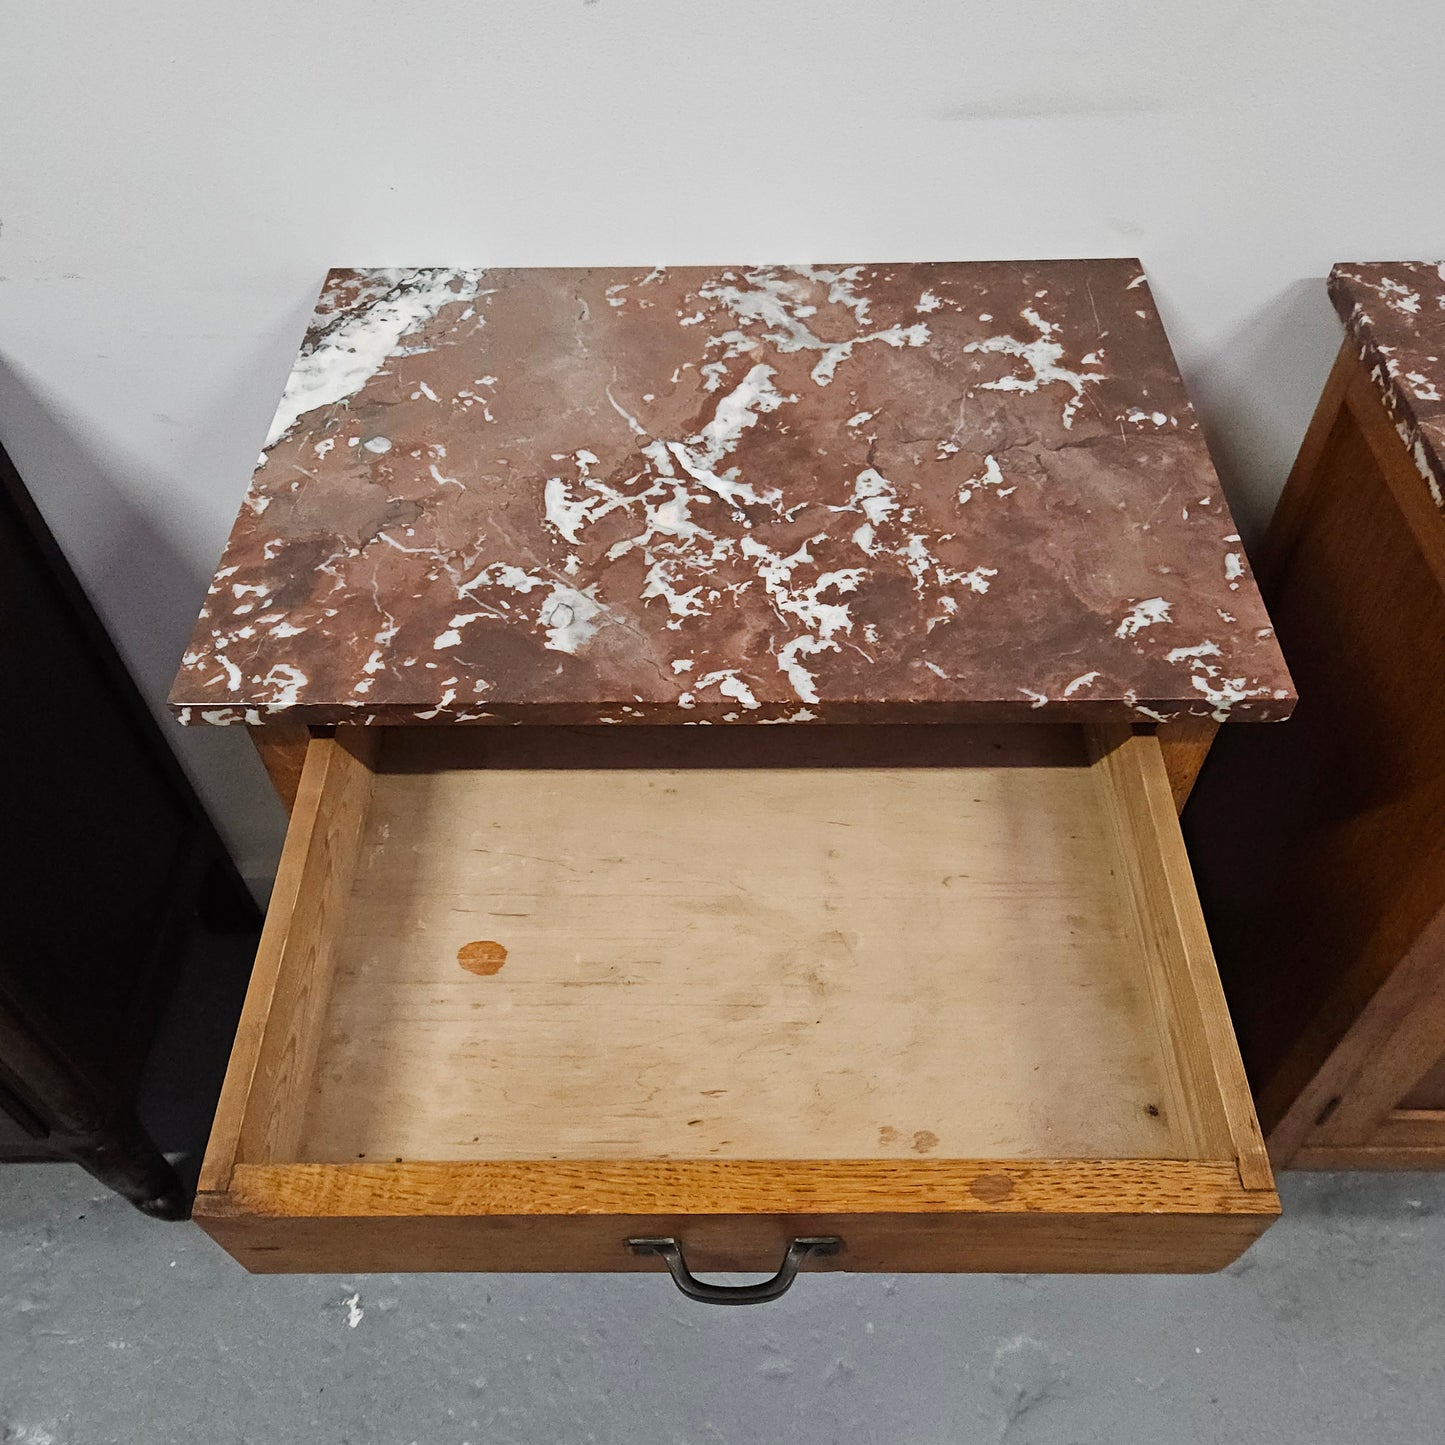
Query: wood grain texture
[(1424, 1156), (282, 749), (1028, 972), (273, 1058), (1185, 745), (739, 1214), (892, 1244), (1383, 1024), (745, 1186), (1408, 1128), (790, 962), (1429, 1092), (1386, 1052), (1320, 847), (1189, 1001)]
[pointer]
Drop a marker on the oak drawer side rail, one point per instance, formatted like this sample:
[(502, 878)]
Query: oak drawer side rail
[(263, 1098), (1189, 1001)]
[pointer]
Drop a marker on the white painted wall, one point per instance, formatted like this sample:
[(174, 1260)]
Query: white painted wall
[(175, 177)]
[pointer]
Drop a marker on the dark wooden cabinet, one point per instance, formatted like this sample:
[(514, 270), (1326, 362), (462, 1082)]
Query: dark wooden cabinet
[(108, 856)]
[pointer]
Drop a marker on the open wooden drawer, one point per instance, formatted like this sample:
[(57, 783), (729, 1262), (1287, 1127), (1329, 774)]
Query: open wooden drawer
[(526, 994)]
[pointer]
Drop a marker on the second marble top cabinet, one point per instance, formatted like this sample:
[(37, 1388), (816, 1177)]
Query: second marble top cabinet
[(1320, 847)]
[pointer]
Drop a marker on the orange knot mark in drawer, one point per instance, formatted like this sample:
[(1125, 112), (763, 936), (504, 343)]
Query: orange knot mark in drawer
[(991, 1188), (482, 957)]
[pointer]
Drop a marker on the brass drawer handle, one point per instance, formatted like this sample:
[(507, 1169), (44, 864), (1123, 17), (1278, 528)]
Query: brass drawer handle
[(736, 1294)]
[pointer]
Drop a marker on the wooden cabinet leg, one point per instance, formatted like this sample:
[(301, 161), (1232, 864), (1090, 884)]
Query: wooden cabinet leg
[(1185, 745), (124, 1158), (282, 746)]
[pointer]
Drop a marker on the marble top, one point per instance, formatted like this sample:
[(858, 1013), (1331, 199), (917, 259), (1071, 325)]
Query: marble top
[(1394, 312), (928, 492)]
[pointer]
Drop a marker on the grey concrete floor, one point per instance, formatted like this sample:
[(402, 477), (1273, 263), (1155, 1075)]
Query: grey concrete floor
[(116, 1328)]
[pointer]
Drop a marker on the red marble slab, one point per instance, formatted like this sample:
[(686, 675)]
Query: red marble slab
[(1394, 312), (971, 491)]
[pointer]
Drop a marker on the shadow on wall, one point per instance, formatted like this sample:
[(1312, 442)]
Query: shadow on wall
[(1270, 369), (145, 591)]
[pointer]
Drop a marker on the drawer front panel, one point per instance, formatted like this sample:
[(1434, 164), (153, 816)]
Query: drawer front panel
[(888, 1244), (738, 1215)]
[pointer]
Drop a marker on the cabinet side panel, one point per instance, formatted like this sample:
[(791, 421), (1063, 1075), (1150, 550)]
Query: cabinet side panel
[(1319, 846)]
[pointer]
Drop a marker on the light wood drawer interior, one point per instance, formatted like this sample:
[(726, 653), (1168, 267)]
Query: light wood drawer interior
[(942, 991)]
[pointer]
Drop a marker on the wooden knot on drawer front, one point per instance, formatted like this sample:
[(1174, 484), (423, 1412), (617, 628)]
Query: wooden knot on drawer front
[(483, 957)]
